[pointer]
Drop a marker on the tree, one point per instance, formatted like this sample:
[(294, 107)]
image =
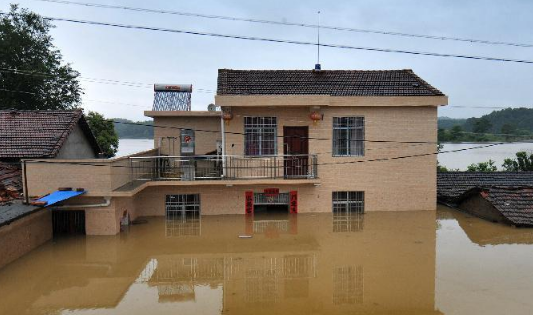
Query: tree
[(456, 133), (482, 167), (32, 72), (482, 125), (105, 133), (521, 163)]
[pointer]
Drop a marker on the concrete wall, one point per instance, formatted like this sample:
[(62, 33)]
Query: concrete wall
[(99, 177), (24, 235), (205, 141), (76, 146)]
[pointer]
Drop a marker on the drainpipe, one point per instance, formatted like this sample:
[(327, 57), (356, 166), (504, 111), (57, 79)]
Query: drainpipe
[(105, 204), (223, 129), (25, 184)]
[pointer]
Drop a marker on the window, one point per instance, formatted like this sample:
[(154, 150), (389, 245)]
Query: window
[(187, 141), (348, 136), (182, 206), (260, 135), (348, 201)]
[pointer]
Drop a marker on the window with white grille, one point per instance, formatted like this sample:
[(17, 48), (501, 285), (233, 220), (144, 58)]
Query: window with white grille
[(260, 136), (182, 206), (348, 201), (348, 136)]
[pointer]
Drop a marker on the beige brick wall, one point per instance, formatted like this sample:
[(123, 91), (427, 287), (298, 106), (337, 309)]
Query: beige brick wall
[(391, 185), (170, 127), (24, 235)]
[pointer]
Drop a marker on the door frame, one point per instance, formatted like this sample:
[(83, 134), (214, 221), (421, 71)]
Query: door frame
[(290, 164)]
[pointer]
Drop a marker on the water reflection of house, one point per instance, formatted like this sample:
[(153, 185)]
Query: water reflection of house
[(386, 267)]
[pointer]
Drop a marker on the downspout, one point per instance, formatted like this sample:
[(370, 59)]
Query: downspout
[(223, 129), (105, 204), (25, 184)]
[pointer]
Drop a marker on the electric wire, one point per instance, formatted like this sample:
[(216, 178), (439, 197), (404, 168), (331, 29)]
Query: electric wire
[(297, 24), (287, 41)]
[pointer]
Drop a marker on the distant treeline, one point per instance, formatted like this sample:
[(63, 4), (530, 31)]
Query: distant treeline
[(502, 125), (127, 129)]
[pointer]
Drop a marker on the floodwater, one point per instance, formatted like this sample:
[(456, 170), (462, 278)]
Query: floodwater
[(130, 146), (442, 262), (460, 160)]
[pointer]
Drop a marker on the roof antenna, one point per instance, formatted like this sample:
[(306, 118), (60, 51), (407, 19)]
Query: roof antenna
[(317, 65)]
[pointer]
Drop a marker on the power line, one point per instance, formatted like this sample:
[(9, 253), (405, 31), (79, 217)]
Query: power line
[(94, 80), (286, 41), (297, 24), (317, 164)]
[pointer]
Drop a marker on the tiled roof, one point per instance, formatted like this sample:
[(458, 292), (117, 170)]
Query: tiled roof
[(324, 82), (10, 176), (514, 203), (451, 185), (39, 134)]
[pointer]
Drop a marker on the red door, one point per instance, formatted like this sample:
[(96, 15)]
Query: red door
[(296, 150)]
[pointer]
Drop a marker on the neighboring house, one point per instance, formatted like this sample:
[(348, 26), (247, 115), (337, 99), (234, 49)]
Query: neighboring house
[(286, 141), (60, 134), (503, 197), (29, 134)]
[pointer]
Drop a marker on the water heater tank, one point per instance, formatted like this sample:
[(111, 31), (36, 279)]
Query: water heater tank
[(173, 88)]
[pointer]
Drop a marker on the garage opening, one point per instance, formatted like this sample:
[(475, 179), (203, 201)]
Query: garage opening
[(68, 222), (266, 204)]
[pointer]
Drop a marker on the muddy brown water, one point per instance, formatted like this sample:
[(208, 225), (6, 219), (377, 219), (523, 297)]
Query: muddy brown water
[(378, 263)]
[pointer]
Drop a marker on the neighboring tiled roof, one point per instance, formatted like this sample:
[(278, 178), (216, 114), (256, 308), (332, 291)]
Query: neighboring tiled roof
[(324, 82), (39, 134), (451, 185), (514, 203), (10, 182), (10, 176)]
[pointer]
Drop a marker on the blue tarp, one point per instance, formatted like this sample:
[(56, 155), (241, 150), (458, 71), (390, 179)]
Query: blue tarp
[(58, 196)]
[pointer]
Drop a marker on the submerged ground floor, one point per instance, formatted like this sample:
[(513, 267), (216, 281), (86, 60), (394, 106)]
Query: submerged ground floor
[(195, 199)]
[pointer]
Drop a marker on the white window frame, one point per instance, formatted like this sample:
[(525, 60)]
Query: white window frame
[(353, 128), (262, 129)]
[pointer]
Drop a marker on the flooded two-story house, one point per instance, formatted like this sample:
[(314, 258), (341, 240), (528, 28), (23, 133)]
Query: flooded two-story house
[(275, 141)]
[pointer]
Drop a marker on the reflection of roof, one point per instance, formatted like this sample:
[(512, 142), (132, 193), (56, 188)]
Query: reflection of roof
[(451, 185), (483, 233), (514, 203), (36, 134), (324, 82)]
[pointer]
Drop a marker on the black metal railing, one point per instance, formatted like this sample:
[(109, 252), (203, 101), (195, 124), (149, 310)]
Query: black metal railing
[(212, 167)]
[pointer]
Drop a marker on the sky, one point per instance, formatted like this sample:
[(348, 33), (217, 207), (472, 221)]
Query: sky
[(151, 57)]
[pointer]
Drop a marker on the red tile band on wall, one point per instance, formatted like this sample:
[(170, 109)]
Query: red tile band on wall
[(249, 202), (293, 201)]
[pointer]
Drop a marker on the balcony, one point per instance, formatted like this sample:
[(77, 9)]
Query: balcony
[(212, 167)]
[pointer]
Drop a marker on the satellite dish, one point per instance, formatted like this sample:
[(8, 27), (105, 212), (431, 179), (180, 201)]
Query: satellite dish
[(212, 107)]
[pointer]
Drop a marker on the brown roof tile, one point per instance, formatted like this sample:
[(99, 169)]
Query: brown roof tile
[(514, 203), (451, 185), (39, 134), (324, 82)]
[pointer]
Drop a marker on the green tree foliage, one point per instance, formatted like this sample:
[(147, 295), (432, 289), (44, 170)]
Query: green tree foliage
[(105, 133), (134, 130), (481, 125), (456, 133), (488, 166), (32, 72), (523, 162)]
